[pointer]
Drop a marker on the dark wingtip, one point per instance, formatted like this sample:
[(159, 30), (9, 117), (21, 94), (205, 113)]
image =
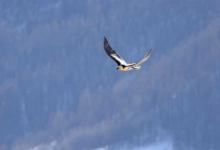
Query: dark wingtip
[(149, 51), (105, 42), (105, 39)]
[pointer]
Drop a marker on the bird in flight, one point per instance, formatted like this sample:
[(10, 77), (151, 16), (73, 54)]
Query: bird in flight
[(122, 64)]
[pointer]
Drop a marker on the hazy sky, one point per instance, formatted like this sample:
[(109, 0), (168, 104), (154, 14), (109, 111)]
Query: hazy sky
[(59, 90)]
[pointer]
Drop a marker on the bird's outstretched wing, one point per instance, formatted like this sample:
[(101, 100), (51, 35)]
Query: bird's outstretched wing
[(146, 57), (119, 60)]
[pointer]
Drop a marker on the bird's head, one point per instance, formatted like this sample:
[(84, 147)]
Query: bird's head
[(119, 68)]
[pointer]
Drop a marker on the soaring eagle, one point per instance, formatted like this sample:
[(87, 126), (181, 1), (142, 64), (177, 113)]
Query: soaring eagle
[(122, 64)]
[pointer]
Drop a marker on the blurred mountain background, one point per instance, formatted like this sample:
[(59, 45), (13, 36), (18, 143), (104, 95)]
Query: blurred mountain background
[(59, 90)]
